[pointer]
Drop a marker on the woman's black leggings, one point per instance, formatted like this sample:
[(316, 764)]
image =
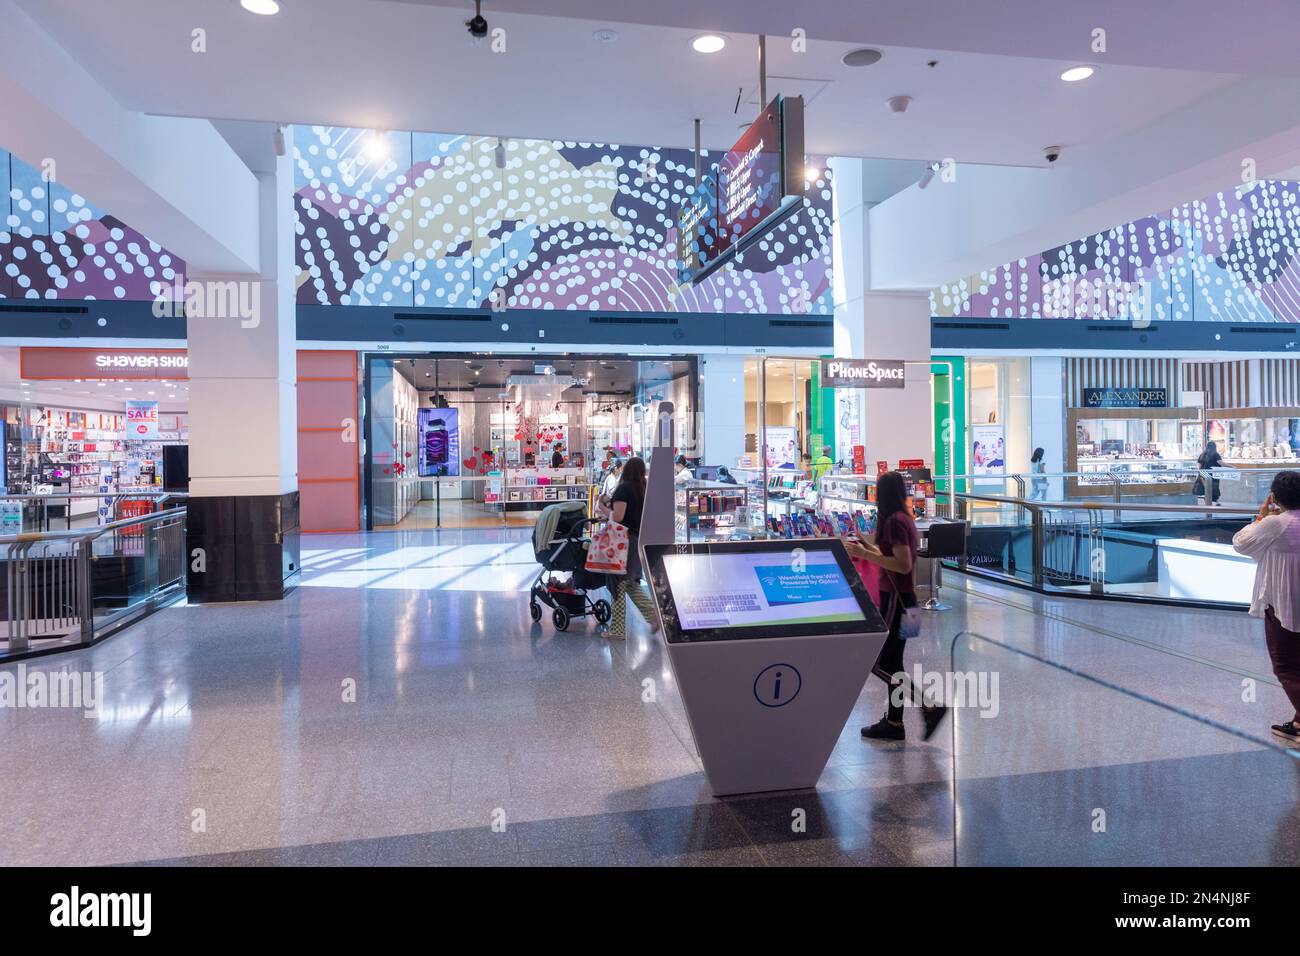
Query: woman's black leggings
[(889, 665)]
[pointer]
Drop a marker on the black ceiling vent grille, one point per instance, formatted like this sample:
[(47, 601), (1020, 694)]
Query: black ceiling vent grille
[(47, 309), (438, 317), (632, 320), (975, 326), (1122, 326), (801, 323)]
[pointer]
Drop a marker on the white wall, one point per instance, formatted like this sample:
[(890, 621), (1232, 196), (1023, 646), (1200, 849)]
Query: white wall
[(722, 403), (1047, 414)]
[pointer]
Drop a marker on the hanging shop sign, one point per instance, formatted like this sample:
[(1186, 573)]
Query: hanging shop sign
[(1126, 398), (141, 420), (759, 183), (863, 373), (136, 365)]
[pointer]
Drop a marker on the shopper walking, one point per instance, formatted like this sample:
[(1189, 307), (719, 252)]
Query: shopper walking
[(1273, 540), (605, 500), (894, 551), (1210, 458), (1039, 468), (626, 505)]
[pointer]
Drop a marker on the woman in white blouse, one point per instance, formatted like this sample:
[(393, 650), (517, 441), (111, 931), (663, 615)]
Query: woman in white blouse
[(1273, 540)]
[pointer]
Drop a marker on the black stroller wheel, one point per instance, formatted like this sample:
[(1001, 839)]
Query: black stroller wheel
[(560, 619), (535, 610), (602, 611)]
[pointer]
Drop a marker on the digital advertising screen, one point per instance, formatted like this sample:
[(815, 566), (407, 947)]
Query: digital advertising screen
[(439, 443), (763, 588)]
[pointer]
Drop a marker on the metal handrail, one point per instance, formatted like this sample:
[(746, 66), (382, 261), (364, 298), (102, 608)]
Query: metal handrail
[(1056, 539), (52, 594), (1034, 504)]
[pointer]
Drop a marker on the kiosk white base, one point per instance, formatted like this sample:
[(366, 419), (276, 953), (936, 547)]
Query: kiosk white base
[(766, 713)]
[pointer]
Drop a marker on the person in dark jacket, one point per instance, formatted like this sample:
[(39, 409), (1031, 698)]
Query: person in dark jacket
[(1210, 458), (894, 551)]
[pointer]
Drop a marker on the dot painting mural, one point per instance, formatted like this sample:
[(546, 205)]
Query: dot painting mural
[(1228, 258), (432, 220), (56, 245)]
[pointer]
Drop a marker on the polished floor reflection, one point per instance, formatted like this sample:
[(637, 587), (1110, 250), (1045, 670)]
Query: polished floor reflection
[(401, 708)]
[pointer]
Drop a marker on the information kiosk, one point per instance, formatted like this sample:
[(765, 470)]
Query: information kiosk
[(770, 643)]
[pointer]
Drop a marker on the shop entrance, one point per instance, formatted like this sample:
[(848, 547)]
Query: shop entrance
[(85, 428), (486, 440)]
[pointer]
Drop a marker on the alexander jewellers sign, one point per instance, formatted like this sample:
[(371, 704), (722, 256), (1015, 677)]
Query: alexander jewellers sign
[(863, 373), (1126, 398)]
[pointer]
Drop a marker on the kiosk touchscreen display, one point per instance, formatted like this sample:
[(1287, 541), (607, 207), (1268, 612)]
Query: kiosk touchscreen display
[(758, 589)]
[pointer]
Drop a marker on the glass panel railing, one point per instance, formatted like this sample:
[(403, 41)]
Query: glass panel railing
[(134, 567), (1053, 765)]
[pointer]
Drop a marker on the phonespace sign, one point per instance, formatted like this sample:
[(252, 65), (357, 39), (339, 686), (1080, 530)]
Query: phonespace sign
[(863, 373)]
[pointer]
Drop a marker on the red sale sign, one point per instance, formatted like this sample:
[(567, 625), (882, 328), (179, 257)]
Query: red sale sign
[(142, 421)]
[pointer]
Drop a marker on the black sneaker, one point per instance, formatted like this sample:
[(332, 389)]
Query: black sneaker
[(884, 730), (933, 717), (1287, 732)]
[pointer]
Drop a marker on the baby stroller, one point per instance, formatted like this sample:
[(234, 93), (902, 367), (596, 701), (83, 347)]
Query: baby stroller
[(563, 582)]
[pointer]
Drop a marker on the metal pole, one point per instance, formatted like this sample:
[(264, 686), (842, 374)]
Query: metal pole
[(1036, 518), (698, 176), (762, 72), (762, 428)]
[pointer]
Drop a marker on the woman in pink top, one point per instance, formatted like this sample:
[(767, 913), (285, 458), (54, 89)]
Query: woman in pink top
[(1273, 540)]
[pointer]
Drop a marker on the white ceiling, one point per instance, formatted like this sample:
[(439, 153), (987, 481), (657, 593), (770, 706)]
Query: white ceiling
[(406, 64)]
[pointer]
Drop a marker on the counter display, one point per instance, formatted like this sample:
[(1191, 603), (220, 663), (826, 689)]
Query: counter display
[(1149, 450), (1255, 437)]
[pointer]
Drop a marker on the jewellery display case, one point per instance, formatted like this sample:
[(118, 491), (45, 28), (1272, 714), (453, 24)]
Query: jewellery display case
[(1150, 450), (1255, 437)]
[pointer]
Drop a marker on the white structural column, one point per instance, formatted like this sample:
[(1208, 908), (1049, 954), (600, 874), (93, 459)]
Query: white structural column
[(1047, 416), (243, 510), (896, 423), (243, 368), (722, 406)]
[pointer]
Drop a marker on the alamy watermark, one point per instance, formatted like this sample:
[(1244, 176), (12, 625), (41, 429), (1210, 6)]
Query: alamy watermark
[(975, 689), (210, 299), (72, 690)]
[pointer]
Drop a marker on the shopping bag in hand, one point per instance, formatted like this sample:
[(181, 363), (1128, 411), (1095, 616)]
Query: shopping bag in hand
[(608, 551)]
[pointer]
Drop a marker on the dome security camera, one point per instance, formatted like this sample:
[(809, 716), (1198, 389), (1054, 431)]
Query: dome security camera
[(477, 26), (1051, 153)]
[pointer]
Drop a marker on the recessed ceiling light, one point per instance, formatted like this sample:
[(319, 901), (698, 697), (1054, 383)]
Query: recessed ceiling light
[(1076, 73), (263, 8), (708, 43), (864, 57), (605, 36)]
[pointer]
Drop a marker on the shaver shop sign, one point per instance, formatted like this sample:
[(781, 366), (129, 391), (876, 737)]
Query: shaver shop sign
[(863, 373)]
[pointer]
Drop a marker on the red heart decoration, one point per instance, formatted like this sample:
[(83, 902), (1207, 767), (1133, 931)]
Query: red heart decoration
[(470, 463), (477, 449), (385, 471)]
